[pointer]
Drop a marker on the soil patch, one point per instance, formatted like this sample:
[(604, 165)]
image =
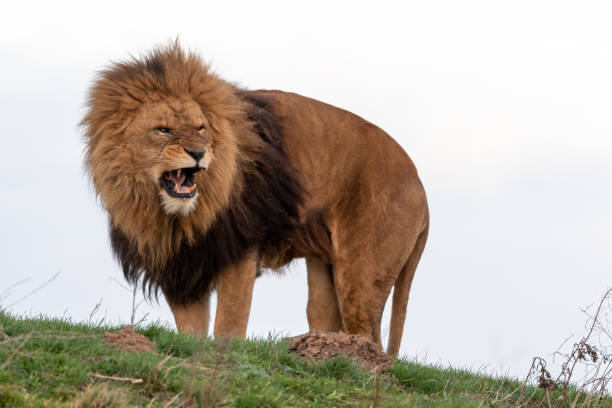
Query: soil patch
[(323, 345), (127, 339)]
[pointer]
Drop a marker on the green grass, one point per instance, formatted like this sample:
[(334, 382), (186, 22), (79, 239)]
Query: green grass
[(46, 362)]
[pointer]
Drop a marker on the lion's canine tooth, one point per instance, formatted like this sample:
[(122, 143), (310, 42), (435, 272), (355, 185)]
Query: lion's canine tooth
[(176, 189), (178, 172), (191, 188)]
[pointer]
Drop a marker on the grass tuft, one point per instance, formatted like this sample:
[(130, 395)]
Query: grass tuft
[(102, 396)]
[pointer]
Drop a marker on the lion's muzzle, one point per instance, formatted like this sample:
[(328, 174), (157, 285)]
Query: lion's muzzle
[(180, 183)]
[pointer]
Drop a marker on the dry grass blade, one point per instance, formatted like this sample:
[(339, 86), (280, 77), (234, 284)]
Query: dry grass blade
[(172, 401), (113, 378), (35, 290), (377, 390), (7, 292), (24, 339), (222, 346)]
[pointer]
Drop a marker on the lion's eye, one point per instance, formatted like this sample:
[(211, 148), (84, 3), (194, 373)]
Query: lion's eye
[(162, 129), (201, 128)]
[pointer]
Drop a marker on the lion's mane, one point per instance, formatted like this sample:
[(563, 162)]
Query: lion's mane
[(250, 198)]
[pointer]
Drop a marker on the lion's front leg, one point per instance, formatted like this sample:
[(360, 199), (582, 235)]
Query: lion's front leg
[(194, 317), (234, 293)]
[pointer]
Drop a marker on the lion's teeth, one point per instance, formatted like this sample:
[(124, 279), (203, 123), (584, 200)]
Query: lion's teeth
[(176, 188), (191, 188), (178, 172)]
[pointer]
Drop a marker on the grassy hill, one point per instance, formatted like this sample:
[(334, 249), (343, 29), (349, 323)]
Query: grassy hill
[(56, 363)]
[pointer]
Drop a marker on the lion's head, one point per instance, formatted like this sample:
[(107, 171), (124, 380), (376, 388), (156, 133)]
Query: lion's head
[(161, 143), (174, 143)]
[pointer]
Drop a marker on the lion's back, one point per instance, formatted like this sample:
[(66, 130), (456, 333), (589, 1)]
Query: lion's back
[(337, 151)]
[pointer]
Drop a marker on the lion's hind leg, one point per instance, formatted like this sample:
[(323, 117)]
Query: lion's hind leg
[(322, 310), (400, 295), (361, 296), (368, 264)]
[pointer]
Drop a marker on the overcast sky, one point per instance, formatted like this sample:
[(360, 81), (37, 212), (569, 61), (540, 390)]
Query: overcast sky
[(505, 107)]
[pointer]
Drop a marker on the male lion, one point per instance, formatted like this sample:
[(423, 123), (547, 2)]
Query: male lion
[(205, 183)]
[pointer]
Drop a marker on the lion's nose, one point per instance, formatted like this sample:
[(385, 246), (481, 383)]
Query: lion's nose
[(197, 154)]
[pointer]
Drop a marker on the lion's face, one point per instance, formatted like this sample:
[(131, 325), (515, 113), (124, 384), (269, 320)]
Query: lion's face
[(171, 142)]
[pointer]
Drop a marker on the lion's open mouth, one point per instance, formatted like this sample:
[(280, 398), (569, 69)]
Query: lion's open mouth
[(180, 183)]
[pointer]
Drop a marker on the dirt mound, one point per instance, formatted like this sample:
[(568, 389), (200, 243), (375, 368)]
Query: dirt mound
[(324, 345), (127, 339)]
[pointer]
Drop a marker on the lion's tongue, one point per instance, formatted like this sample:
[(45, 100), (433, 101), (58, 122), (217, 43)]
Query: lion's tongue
[(178, 182)]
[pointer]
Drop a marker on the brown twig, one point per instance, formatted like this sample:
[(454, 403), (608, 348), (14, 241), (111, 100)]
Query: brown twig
[(134, 306), (548, 398), (582, 346), (596, 360), (377, 388)]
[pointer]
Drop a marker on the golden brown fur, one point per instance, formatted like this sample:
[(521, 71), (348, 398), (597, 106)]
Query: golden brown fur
[(283, 177)]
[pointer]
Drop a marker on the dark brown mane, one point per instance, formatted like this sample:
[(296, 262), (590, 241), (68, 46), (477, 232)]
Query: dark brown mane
[(264, 215)]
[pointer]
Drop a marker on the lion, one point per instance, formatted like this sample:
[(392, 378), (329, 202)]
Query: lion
[(206, 183)]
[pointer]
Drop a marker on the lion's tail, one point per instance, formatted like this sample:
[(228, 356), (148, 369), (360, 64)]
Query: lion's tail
[(400, 294)]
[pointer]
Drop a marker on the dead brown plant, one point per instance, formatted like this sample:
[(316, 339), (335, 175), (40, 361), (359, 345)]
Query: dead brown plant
[(585, 371)]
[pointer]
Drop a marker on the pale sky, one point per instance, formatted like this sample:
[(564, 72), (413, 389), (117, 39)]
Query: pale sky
[(504, 107)]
